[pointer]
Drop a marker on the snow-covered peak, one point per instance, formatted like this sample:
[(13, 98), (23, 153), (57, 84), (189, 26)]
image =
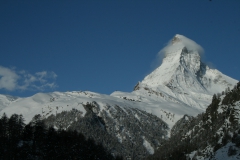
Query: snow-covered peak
[(181, 54), (184, 76), (179, 61), (182, 69)]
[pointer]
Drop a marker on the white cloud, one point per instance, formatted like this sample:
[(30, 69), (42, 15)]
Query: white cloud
[(181, 42), (42, 76), (11, 80), (8, 79)]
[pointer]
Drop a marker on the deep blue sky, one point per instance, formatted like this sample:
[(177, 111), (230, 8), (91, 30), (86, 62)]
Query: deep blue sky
[(109, 45)]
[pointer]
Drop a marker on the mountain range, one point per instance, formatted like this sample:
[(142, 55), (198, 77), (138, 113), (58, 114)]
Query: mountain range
[(132, 124)]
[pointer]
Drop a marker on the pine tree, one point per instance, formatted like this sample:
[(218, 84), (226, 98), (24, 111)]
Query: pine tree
[(3, 136)]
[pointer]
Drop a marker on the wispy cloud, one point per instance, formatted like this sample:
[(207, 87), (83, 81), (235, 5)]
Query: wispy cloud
[(8, 79), (11, 79), (178, 45)]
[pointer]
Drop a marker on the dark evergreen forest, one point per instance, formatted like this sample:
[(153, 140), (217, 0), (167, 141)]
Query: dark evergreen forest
[(36, 141)]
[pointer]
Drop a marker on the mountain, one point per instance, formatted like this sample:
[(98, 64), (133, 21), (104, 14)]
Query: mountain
[(118, 124), (214, 134), (132, 124), (183, 72), (182, 84)]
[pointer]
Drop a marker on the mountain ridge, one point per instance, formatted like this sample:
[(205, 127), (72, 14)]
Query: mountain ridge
[(181, 85)]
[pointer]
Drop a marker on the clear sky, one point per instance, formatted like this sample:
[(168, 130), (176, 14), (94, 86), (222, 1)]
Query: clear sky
[(108, 45)]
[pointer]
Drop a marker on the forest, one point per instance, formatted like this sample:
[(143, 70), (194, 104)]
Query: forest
[(35, 141)]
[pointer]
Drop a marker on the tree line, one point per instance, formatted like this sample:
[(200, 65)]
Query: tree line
[(36, 141)]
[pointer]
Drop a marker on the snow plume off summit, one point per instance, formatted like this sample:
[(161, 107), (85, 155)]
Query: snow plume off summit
[(179, 42), (176, 43)]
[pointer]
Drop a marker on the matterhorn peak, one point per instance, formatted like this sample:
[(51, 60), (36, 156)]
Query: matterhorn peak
[(183, 72)]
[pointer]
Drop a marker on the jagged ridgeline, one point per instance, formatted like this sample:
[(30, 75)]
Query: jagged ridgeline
[(122, 131), (213, 134)]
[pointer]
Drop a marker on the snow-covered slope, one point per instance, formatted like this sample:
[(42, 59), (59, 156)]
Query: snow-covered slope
[(218, 128), (213, 134), (6, 100), (123, 122), (46, 104)]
